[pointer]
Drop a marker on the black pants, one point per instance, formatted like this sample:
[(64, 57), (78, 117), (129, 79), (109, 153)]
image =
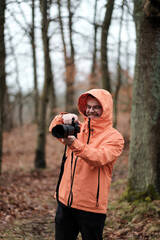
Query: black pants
[(69, 222)]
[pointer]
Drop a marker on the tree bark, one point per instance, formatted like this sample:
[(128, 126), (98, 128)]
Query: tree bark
[(118, 85), (70, 73), (93, 77), (144, 159), (104, 49), (32, 40), (40, 161), (52, 102), (2, 72), (69, 59)]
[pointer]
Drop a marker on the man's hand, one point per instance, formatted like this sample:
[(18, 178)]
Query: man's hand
[(69, 140), (67, 118)]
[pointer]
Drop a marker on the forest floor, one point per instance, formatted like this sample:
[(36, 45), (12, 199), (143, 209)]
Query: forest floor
[(27, 205)]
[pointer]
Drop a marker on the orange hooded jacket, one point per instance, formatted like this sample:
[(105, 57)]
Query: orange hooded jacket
[(94, 165)]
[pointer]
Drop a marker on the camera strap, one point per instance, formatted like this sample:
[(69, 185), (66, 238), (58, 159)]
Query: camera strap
[(61, 173), (70, 198)]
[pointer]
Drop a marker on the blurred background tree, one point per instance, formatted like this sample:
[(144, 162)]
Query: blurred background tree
[(40, 161), (2, 72)]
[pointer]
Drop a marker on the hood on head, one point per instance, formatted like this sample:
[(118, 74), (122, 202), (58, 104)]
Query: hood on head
[(105, 99)]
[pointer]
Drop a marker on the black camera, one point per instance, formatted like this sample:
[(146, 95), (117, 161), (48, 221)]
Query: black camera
[(63, 131)]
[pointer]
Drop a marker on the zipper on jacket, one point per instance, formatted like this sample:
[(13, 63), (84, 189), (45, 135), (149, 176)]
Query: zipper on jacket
[(97, 197), (89, 121)]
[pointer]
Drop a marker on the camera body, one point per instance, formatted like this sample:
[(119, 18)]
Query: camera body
[(63, 131)]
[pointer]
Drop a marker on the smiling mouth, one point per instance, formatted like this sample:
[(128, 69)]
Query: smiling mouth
[(93, 115)]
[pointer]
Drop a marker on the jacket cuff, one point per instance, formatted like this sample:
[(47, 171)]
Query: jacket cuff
[(76, 146), (57, 120)]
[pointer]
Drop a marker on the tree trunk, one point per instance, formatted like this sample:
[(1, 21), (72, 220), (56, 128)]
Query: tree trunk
[(7, 112), (48, 78), (2, 72), (32, 39), (118, 85), (70, 65), (144, 159), (20, 110), (104, 49), (52, 102), (93, 77), (69, 60), (70, 74)]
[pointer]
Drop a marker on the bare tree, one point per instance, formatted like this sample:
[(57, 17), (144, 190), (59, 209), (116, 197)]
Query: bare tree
[(144, 159), (119, 70), (104, 45), (70, 57), (33, 44), (19, 95), (29, 30), (40, 161), (2, 72), (93, 77)]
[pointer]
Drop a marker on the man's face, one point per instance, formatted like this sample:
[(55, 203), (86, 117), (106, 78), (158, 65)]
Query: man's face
[(93, 108)]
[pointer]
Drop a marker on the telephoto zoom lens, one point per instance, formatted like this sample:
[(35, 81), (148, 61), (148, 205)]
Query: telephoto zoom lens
[(63, 131)]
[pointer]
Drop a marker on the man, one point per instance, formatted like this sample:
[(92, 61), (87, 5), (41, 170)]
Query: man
[(85, 183)]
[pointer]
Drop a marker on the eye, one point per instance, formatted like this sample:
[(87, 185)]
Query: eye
[(97, 107), (89, 107)]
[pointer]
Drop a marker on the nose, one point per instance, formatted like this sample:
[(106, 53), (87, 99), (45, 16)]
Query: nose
[(91, 109)]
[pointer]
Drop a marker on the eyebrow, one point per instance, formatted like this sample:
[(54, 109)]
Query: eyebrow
[(94, 106)]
